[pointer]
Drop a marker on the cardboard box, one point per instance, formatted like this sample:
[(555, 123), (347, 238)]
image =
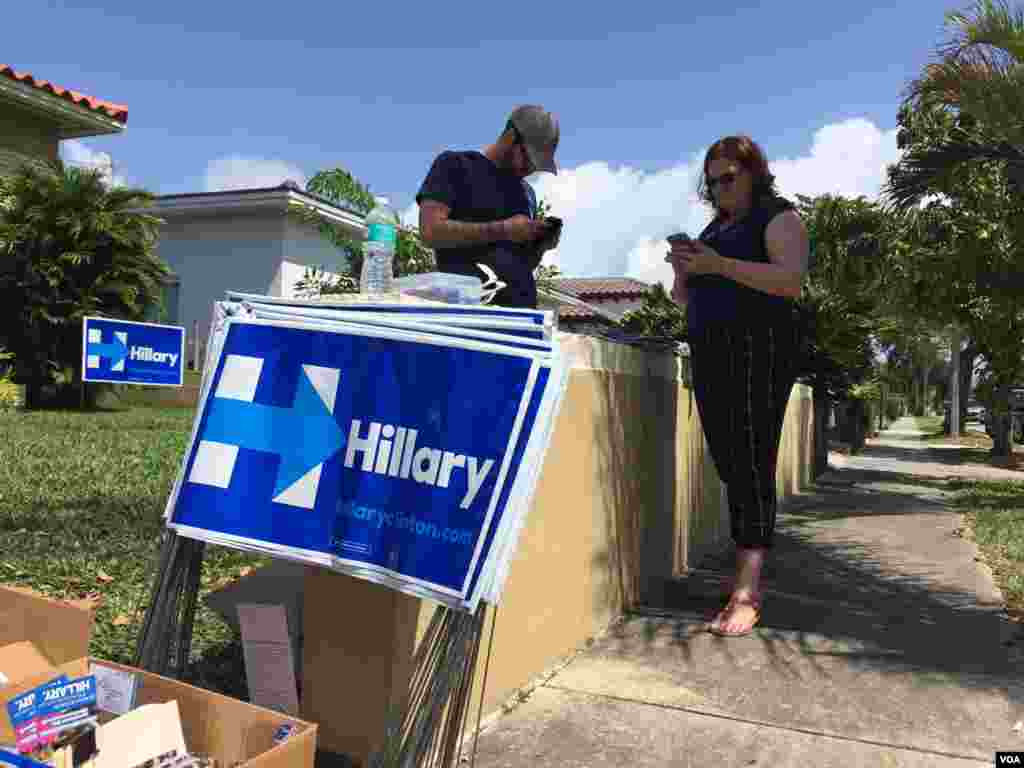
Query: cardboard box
[(47, 631), (21, 660), (34, 630)]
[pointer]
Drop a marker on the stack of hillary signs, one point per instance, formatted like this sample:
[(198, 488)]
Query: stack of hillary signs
[(399, 443)]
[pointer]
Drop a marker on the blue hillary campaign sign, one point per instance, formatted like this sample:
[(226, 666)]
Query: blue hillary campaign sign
[(537, 324), (125, 352), (368, 450)]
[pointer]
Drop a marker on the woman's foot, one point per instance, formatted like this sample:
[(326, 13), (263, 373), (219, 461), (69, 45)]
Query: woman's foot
[(738, 618), (743, 609)]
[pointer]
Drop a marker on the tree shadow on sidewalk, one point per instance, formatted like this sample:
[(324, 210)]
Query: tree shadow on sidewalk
[(868, 573)]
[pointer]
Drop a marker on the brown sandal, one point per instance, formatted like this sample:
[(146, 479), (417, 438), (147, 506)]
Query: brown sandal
[(723, 600), (753, 602)]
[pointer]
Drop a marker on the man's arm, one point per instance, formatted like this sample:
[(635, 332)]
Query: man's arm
[(445, 184), (438, 231)]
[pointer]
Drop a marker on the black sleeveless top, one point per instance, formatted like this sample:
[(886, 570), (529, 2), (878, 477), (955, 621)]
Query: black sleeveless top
[(713, 300)]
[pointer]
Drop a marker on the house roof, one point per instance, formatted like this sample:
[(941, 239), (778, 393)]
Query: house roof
[(118, 112), (285, 186), (255, 199), (582, 299), (592, 288), (572, 308)]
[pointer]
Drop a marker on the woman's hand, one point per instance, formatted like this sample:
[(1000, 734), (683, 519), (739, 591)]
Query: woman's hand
[(674, 257), (693, 257)]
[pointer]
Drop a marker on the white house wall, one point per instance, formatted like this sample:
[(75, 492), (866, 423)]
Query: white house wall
[(213, 254), (304, 247)]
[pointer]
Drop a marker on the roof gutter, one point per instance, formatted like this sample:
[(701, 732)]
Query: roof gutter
[(250, 201), (75, 121)]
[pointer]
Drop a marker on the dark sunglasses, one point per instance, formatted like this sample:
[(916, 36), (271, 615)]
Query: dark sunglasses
[(518, 139), (725, 179)]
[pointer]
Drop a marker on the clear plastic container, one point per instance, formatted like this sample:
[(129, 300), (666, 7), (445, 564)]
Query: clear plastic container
[(442, 286)]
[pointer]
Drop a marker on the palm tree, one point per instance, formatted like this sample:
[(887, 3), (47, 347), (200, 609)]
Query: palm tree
[(339, 187), (70, 246), (980, 76)]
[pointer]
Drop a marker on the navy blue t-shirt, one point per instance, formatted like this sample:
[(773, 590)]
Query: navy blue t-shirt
[(477, 191), (713, 300)]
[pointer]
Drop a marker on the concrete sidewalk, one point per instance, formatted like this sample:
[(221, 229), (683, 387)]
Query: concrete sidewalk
[(883, 643), (900, 450)]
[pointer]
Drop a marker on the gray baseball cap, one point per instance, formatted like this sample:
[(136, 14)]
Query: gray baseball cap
[(539, 129)]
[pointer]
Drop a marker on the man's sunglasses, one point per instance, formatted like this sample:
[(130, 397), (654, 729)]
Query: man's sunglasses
[(518, 139), (725, 179)]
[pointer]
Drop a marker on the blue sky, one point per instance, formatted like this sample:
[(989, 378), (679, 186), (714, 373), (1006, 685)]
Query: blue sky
[(226, 94)]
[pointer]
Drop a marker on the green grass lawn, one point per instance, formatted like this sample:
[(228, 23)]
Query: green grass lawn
[(929, 424), (995, 514), (976, 446), (81, 500)]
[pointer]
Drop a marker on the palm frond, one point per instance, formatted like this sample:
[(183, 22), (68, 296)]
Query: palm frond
[(992, 96), (921, 172), (991, 25)]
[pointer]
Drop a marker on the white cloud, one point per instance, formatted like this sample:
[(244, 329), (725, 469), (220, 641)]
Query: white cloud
[(240, 172), (410, 217), (616, 218), (846, 158), (74, 152)]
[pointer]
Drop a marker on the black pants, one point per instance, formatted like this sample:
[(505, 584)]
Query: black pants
[(742, 379)]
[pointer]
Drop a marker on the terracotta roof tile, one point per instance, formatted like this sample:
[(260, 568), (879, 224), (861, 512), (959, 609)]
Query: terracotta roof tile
[(117, 112), (566, 312), (600, 287), (575, 313)]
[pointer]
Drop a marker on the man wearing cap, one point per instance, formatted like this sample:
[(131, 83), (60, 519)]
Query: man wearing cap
[(476, 206)]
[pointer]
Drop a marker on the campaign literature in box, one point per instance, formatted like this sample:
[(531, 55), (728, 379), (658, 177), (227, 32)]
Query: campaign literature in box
[(234, 732)]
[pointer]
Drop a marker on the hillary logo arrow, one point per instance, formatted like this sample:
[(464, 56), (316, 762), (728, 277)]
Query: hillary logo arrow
[(304, 435), (115, 351)]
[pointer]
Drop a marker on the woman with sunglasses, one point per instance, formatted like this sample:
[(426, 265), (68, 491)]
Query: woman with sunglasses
[(739, 282)]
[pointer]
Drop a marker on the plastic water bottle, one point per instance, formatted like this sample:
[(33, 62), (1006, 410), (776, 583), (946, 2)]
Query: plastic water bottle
[(379, 254)]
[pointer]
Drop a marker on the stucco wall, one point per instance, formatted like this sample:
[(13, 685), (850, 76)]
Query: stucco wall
[(628, 498), (24, 137), (304, 247), (212, 254), (263, 253)]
